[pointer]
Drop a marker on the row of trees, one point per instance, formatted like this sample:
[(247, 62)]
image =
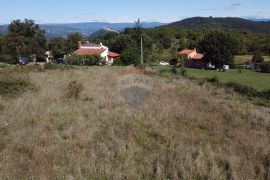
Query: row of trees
[(162, 43), (26, 38), (22, 38)]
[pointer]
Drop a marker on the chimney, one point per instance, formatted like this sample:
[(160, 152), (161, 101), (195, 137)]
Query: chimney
[(79, 44)]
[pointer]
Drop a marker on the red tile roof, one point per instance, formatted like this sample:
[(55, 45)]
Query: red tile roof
[(186, 51), (113, 54), (198, 56), (89, 51)]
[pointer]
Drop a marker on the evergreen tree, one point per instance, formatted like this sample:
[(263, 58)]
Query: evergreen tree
[(72, 41), (24, 37)]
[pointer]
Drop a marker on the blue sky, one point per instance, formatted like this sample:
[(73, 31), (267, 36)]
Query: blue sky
[(63, 11)]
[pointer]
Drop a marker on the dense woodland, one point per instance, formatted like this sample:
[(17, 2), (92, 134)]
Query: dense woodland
[(25, 37), (229, 22), (162, 43)]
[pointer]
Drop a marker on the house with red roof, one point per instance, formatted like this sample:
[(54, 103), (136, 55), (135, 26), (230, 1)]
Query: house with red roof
[(96, 49), (195, 59)]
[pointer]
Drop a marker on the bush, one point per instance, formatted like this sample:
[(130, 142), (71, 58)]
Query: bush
[(118, 62), (13, 85), (257, 58), (174, 70), (41, 58), (243, 89), (131, 55), (165, 70), (213, 80), (239, 70), (51, 66), (183, 72), (265, 94), (5, 58), (103, 63), (74, 89), (265, 67), (86, 60)]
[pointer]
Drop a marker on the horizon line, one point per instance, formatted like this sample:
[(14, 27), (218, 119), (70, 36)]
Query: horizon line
[(146, 21)]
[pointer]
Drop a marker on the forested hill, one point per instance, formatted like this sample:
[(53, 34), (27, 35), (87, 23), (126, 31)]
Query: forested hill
[(229, 22), (86, 28)]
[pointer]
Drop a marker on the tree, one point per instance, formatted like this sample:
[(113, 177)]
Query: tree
[(257, 58), (219, 48), (24, 37), (164, 37), (72, 41), (181, 60), (120, 43), (265, 67), (130, 56), (59, 47)]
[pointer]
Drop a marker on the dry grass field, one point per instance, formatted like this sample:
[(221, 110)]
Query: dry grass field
[(183, 131)]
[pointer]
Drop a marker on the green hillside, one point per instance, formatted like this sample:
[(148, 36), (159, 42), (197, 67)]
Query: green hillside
[(229, 22)]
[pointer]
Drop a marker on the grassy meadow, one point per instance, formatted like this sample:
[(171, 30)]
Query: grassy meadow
[(257, 80), (184, 130), (242, 59)]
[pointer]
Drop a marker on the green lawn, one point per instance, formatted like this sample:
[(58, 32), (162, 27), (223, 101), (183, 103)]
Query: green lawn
[(242, 59), (260, 81)]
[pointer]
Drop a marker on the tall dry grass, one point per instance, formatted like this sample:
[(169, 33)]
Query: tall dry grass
[(183, 131)]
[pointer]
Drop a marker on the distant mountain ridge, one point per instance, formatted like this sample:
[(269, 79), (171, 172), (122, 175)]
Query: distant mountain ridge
[(3, 28), (259, 19), (86, 28), (103, 32), (229, 22)]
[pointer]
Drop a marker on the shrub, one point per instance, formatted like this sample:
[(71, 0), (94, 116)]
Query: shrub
[(130, 55), (183, 72), (239, 70), (51, 66), (243, 89), (74, 89), (257, 58), (118, 62), (86, 60), (213, 80), (174, 70), (41, 58), (265, 67), (103, 63), (165, 70), (13, 85), (5, 58), (265, 94)]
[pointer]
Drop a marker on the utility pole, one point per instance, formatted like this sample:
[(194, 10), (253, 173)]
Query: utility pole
[(142, 50), (138, 26)]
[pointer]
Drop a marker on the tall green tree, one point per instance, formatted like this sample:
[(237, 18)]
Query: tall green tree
[(72, 41), (24, 37), (120, 43), (219, 48), (130, 56), (59, 47), (257, 58)]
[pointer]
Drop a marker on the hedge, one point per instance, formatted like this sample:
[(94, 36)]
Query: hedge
[(85, 60)]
